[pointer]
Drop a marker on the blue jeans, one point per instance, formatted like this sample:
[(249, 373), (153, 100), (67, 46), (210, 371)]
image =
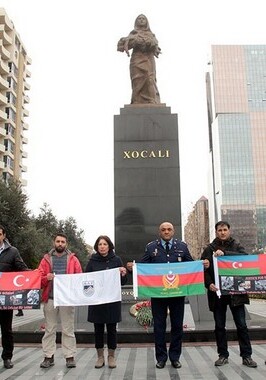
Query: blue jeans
[(160, 307), (239, 317)]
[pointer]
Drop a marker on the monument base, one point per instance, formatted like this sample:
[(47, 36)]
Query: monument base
[(146, 176)]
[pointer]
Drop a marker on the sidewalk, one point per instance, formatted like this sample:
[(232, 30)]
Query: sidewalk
[(137, 363)]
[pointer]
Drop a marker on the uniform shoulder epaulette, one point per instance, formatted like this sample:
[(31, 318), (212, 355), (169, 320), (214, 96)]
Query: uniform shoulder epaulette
[(152, 242), (179, 241)]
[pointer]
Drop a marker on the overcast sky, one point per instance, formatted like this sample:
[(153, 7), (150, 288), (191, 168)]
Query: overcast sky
[(79, 82)]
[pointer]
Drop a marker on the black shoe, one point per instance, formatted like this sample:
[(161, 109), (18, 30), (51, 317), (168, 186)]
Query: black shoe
[(47, 362), (176, 364), (19, 313), (160, 365), (8, 364)]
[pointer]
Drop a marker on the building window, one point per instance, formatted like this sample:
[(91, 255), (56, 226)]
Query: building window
[(6, 177), (11, 98), (12, 84), (11, 114), (17, 43), (9, 163), (9, 146), (13, 69), (10, 130)]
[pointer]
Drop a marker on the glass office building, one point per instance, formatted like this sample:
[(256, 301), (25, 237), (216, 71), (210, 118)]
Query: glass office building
[(236, 97)]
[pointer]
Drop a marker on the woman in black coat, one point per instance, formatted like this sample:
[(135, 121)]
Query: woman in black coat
[(109, 313)]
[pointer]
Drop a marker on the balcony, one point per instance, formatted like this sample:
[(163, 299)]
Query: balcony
[(26, 86), (24, 168), (2, 148), (26, 99), (28, 60), (6, 21), (11, 138), (3, 116), (24, 154), (3, 99), (25, 112), (4, 69), (3, 84), (25, 126), (12, 123), (9, 171), (2, 131), (24, 140), (2, 165), (4, 36), (4, 52)]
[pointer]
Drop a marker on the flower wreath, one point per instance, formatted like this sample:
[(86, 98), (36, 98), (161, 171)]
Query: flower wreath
[(142, 312)]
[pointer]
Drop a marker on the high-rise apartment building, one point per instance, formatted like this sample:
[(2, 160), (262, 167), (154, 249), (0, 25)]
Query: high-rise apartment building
[(196, 231), (236, 97), (13, 98)]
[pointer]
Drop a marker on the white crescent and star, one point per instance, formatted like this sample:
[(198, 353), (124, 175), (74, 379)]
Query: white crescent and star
[(170, 276), (236, 265), (21, 283)]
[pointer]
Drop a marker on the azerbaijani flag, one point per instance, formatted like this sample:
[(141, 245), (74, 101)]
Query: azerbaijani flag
[(242, 265), (168, 279)]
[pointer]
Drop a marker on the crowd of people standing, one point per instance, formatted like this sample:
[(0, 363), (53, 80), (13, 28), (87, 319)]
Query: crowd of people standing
[(165, 249)]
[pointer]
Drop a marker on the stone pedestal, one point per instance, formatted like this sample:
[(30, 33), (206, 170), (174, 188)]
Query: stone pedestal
[(146, 176)]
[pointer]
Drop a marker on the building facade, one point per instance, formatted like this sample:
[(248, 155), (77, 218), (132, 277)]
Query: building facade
[(196, 230), (13, 101), (236, 99)]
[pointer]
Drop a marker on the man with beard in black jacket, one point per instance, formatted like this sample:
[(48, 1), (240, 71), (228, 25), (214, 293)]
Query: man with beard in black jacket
[(10, 261), (224, 244)]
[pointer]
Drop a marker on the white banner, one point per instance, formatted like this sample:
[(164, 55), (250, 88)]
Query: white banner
[(91, 288)]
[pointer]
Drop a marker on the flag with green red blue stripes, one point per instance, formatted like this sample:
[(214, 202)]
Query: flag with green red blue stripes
[(168, 279)]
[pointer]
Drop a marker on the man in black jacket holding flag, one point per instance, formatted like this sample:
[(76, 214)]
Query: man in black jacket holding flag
[(10, 261), (224, 244)]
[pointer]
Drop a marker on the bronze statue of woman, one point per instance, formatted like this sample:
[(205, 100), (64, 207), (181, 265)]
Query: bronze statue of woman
[(144, 47)]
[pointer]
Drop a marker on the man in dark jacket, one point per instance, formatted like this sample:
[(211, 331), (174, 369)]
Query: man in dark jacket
[(224, 244), (167, 249), (10, 261)]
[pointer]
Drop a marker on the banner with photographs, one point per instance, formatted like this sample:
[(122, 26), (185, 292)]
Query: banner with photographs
[(242, 274), (20, 290)]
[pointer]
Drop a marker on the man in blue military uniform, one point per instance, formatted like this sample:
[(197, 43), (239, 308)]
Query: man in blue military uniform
[(166, 249)]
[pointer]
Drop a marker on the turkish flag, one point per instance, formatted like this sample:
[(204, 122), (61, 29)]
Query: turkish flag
[(13, 281)]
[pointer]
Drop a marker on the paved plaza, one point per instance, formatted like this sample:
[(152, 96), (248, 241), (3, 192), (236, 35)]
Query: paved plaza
[(137, 363)]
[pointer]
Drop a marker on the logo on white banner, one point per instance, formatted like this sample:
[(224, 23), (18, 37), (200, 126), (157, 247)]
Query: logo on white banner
[(88, 288)]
